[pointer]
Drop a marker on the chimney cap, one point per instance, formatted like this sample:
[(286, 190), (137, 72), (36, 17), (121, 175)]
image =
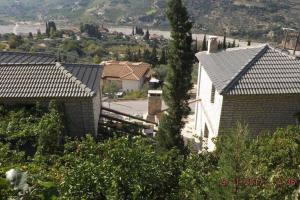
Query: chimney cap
[(154, 91), (213, 37)]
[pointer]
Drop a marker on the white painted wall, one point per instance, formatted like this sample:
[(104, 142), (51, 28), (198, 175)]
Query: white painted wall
[(131, 85), (206, 112)]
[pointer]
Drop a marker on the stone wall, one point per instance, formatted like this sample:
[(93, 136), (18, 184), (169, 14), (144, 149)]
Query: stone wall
[(260, 112), (82, 114)]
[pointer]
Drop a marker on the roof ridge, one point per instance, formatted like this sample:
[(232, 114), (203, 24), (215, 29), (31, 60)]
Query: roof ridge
[(30, 64), (29, 53), (244, 69), (87, 64), (69, 75), (132, 72)]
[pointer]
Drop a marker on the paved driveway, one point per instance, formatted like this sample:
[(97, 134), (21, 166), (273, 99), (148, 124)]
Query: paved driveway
[(137, 107)]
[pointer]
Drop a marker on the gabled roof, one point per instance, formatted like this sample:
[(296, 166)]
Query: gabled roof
[(252, 70), (49, 80), (126, 70), (26, 58)]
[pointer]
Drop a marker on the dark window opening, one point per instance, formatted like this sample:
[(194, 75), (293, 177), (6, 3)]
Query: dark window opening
[(206, 132), (212, 95), (297, 117)]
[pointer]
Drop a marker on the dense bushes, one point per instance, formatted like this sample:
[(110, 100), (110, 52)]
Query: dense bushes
[(121, 169), (242, 167)]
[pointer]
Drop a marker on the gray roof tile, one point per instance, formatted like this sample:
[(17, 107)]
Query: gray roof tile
[(26, 58), (259, 70), (49, 80)]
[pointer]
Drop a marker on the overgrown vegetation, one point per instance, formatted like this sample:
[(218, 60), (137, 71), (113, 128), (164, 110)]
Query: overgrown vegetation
[(179, 78), (133, 167)]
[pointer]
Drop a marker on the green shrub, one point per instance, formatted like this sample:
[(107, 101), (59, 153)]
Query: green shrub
[(50, 131), (124, 168)]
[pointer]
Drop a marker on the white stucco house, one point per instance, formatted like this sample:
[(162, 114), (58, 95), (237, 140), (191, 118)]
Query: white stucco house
[(128, 76), (259, 86)]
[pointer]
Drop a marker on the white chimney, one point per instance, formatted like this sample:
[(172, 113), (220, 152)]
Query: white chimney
[(212, 44), (154, 104)]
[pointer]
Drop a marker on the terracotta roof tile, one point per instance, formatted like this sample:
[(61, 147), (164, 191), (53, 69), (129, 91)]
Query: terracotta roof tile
[(126, 70)]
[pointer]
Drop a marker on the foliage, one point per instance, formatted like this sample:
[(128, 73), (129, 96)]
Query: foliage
[(110, 88), (50, 131), (137, 94), (178, 81), (91, 29), (154, 58), (204, 44), (147, 35), (275, 159), (124, 168), (161, 72), (132, 167), (233, 153), (15, 41), (50, 28), (196, 180)]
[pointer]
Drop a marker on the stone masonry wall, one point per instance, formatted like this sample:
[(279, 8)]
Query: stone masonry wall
[(260, 112), (80, 112)]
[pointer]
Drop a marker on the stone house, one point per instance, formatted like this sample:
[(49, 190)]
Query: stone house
[(259, 86), (27, 78), (128, 76)]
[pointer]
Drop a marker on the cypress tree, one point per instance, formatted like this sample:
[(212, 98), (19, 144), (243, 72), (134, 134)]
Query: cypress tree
[(147, 56), (233, 44), (132, 30), (178, 81), (139, 55), (204, 44), (220, 45), (154, 59), (224, 42), (147, 35), (196, 45), (128, 55), (47, 29), (249, 42), (163, 57)]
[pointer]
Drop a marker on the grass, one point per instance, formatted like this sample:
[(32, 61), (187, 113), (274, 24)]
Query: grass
[(134, 95)]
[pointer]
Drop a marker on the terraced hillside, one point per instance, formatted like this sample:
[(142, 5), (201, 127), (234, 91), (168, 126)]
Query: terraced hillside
[(254, 18)]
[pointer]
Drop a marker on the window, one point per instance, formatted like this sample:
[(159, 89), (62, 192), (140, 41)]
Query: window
[(213, 93), (297, 117), (206, 132)]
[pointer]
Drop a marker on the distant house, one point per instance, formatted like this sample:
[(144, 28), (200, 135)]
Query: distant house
[(127, 75), (27, 78), (256, 85)]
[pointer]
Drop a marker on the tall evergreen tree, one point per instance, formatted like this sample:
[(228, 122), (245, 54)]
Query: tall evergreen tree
[(47, 29), (249, 42), (196, 45), (154, 59), (132, 30), (204, 44), (147, 35), (178, 81), (163, 57), (233, 44), (128, 55), (224, 42), (147, 56), (220, 45), (139, 55)]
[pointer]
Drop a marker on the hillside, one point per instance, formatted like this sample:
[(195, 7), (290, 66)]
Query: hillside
[(239, 17)]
